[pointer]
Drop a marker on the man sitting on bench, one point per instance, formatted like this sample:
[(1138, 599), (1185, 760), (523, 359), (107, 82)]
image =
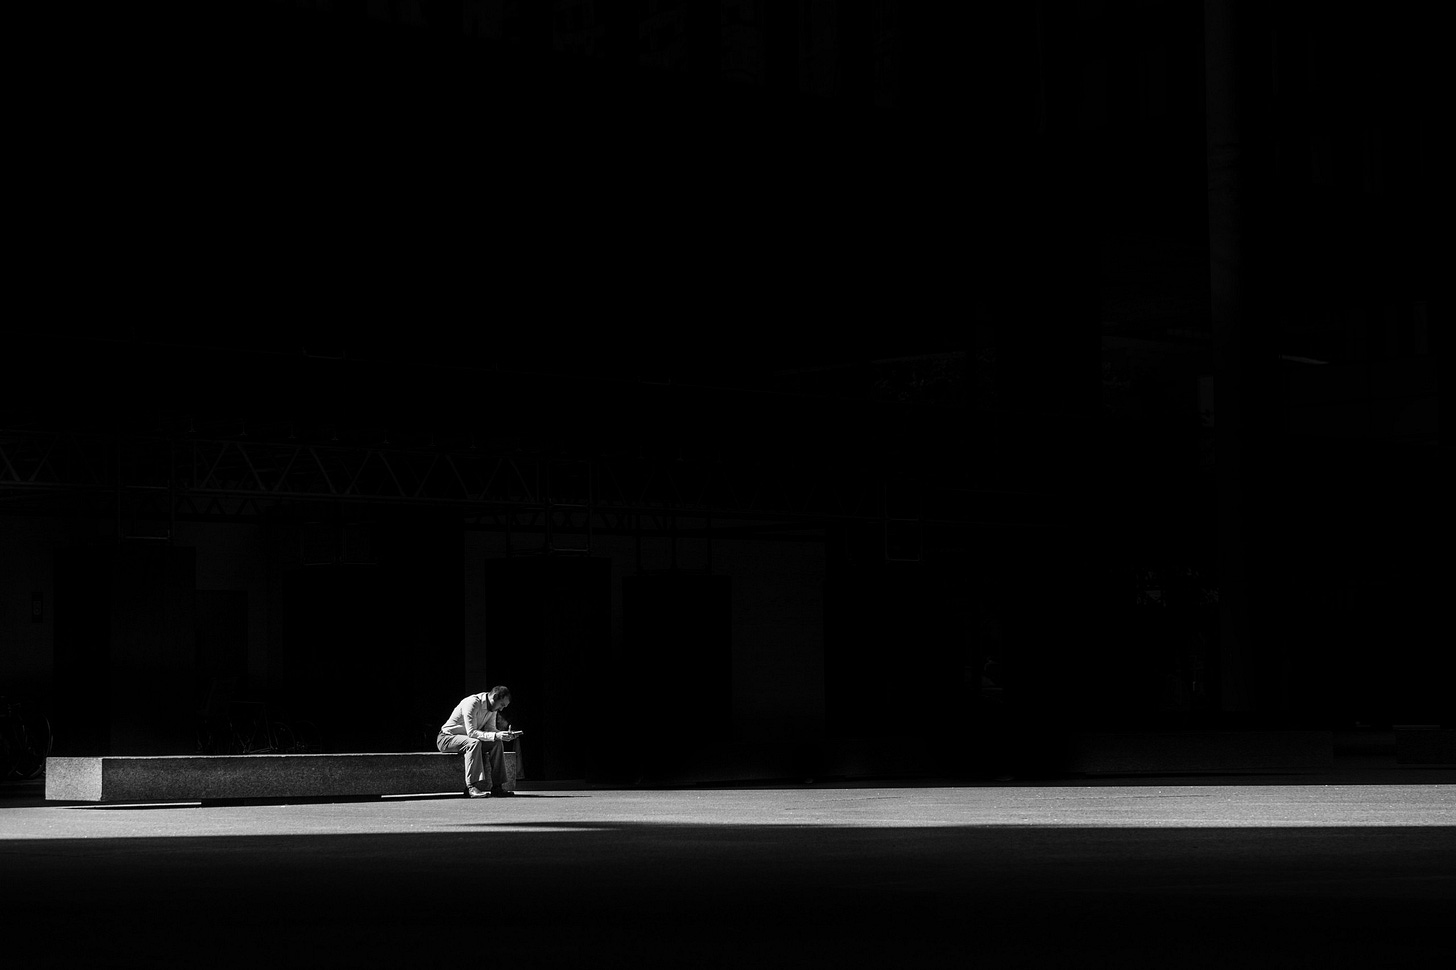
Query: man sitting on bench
[(473, 726)]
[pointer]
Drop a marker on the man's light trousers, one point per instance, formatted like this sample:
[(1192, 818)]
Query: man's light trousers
[(476, 752)]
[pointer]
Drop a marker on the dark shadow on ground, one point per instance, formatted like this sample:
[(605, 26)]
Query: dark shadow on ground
[(519, 794), (146, 807), (741, 895), (260, 802)]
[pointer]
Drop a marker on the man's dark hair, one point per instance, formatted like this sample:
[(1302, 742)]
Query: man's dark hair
[(499, 693)]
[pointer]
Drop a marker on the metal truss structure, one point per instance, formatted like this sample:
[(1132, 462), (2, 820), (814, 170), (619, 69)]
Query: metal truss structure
[(149, 483)]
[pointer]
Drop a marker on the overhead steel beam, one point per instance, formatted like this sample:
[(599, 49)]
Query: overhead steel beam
[(208, 477)]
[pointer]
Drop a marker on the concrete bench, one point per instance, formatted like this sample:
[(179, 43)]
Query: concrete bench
[(212, 778)]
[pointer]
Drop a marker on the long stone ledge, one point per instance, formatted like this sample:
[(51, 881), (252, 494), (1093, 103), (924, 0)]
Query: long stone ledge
[(194, 778)]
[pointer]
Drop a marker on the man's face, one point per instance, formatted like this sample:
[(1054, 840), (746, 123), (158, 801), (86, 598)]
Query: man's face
[(500, 704)]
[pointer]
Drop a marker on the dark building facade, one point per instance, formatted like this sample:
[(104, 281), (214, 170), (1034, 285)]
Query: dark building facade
[(800, 307)]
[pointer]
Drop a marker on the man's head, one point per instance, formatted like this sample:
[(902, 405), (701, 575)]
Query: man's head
[(498, 698)]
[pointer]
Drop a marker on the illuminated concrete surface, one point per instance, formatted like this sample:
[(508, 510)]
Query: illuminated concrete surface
[(1158, 872)]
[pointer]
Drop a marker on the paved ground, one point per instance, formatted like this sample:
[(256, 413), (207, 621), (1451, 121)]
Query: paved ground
[(1202, 872)]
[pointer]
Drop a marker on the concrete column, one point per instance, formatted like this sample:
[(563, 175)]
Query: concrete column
[(1236, 79)]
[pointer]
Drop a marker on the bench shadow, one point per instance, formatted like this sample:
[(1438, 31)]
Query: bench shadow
[(426, 798), (148, 807), (255, 802)]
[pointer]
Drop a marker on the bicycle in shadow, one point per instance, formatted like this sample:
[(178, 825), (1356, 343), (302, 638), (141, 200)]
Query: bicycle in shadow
[(227, 724), (25, 739)]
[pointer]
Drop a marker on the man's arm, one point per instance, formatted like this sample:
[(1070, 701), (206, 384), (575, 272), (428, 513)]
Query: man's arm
[(473, 727)]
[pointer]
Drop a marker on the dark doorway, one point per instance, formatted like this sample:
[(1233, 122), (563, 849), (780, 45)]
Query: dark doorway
[(222, 637), (124, 649), (336, 671), (372, 651), (82, 612), (678, 656), (548, 638)]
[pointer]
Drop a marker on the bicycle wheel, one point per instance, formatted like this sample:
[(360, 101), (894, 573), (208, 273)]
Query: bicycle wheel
[(306, 738), (213, 736), (235, 741), (36, 742), (284, 741)]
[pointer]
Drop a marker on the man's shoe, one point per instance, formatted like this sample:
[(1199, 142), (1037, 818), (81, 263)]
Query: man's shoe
[(473, 792), (502, 792)]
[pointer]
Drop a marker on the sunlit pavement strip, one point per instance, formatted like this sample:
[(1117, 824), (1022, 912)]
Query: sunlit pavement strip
[(1201, 806)]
